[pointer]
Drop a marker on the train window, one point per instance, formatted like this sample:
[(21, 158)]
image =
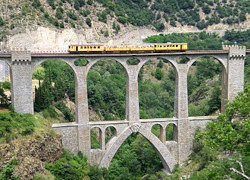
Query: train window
[(99, 47)]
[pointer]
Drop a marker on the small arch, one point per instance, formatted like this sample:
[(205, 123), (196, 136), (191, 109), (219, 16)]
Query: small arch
[(96, 138), (171, 132), (110, 132)]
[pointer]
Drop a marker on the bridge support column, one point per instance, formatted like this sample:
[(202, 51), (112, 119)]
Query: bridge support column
[(181, 112), (82, 111), (132, 100), (236, 60), (21, 82)]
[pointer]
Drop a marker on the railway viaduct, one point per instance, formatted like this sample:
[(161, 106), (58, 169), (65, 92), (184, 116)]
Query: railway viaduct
[(76, 135)]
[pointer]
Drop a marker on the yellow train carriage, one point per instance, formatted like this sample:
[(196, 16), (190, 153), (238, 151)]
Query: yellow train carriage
[(164, 47), (118, 49), (170, 47), (86, 48), (143, 48)]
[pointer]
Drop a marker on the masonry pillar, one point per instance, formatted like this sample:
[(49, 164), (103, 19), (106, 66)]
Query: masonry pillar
[(132, 100), (236, 60), (181, 112), (21, 80), (82, 111)]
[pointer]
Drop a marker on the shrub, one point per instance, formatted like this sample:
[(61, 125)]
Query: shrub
[(88, 22), (81, 62), (158, 74), (65, 110)]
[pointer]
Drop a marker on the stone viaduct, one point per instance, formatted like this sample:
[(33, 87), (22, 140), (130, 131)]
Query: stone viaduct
[(76, 135)]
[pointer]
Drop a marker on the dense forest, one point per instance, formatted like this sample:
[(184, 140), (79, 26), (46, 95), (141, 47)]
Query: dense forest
[(217, 149)]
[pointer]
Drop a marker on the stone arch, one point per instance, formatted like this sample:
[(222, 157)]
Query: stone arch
[(68, 62), (223, 63), (113, 134), (94, 61), (190, 63), (174, 68), (173, 130), (172, 62), (121, 61), (167, 159), (98, 144)]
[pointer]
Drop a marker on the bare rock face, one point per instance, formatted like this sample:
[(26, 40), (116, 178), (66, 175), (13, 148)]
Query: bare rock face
[(31, 154)]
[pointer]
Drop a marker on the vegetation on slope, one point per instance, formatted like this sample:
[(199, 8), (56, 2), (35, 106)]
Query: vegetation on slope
[(159, 13)]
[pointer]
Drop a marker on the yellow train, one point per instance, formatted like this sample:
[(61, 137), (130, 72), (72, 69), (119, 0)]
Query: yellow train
[(153, 48)]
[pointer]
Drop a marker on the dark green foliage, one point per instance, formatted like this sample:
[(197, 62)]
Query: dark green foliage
[(69, 167), (228, 133), (50, 112), (72, 15), (7, 172), (95, 138), (88, 22), (90, 2), (4, 100), (85, 13), (58, 81), (133, 61), (75, 167), (158, 74), (102, 16), (59, 12), (65, 110), (159, 26), (52, 4), (107, 89), (36, 4), (135, 158), (81, 62), (157, 99), (13, 124)]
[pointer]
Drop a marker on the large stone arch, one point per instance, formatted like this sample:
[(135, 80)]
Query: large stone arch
[(221, 60), (36, 63), (167, 159), (120, 60), (145, 60)]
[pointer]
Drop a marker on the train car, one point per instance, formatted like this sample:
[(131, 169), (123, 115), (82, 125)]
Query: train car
[(152, 48)]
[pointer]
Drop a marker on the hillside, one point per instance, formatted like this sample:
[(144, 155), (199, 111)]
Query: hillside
[(51, 25)]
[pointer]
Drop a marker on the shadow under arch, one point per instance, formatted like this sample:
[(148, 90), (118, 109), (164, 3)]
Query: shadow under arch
[(167, 159)]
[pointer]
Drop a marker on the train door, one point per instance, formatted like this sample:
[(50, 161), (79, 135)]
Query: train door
[(181, 47)]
